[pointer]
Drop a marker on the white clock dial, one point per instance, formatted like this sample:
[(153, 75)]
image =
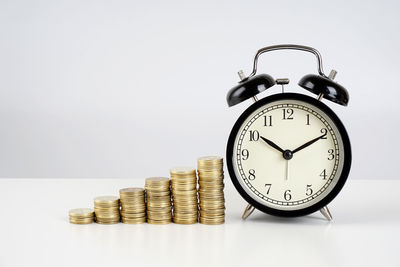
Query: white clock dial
[(314, 154)]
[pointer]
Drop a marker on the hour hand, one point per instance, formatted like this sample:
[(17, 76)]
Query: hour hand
[(269, 142)]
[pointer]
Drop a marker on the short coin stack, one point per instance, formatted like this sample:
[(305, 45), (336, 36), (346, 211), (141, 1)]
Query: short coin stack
[(158, 196), (211, 190), (81, 216), (106, 209), (133, 206), (184, 194)]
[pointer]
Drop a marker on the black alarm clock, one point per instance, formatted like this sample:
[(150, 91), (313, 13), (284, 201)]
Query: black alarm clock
[(288, 154)]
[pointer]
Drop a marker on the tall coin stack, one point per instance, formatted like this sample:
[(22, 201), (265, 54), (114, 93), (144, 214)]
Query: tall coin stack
[(106, 209), (81, 216), (133, 206), (184, 195), (158, 196), (211, 190)]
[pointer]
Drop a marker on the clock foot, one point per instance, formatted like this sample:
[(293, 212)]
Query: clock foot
[(247, 211), (327, 214)]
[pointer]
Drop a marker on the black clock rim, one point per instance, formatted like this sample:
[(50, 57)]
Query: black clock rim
[(346, 164)]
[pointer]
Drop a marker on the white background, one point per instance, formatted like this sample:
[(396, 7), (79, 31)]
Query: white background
[(132, 88)]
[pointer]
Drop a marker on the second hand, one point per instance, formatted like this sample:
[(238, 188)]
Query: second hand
[(287, 169)]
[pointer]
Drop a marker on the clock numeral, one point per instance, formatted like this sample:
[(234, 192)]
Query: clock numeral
[(287, 195), (308, 119), (324, 131), (268, 121), (252, 174), (269, 187), (323, 174), (331, 156), (287, 114), (309, 191), (245, 154), (254, 135)]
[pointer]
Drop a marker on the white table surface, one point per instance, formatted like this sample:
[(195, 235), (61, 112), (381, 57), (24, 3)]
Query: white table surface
[(35, 230)]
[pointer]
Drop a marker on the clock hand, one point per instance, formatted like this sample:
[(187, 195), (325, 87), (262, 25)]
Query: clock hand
[(308, 143), (269, 142), (287, 169)]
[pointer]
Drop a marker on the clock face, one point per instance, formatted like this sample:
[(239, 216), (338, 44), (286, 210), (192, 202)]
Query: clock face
[(288, 155)]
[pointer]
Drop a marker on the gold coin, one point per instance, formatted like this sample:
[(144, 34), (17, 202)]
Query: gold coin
[(192, 192), (104, 211), (185, 202), (211, 222), (150, 221), (182, 178), (133, 211), (220, 211), (180, 221), (136, 214), (210, 201), (183, 183), (217, 173), (208, 159), (133, 207), (132, 190), (212, 207), (185, 208), (158, 193), (81, 212), (157, 181), (111, 218), (185, 212), (111, 222), (85, 222), (81, 221), (182, 170), (186, 215), (130, 221), (106, 199)]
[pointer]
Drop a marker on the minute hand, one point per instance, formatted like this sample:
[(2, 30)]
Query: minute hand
[(308, 143)]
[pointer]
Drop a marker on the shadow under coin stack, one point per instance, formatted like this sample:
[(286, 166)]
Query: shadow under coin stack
[(184, 194), (158, 196), (81, 216), (211, 190), (106, 209), (133, 206)]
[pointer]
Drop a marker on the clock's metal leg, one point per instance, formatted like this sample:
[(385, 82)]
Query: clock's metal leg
[(247, 211), (327, 214)]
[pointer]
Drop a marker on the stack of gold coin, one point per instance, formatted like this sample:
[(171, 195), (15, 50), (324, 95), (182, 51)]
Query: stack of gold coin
[(184, 195), (133, 206), (81, 216), (211, 190), (106, 209), (158, 196)]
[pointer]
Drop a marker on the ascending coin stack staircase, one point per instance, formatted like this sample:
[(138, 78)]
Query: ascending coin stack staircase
[(193, 199), (184, 194), (211, 190)]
